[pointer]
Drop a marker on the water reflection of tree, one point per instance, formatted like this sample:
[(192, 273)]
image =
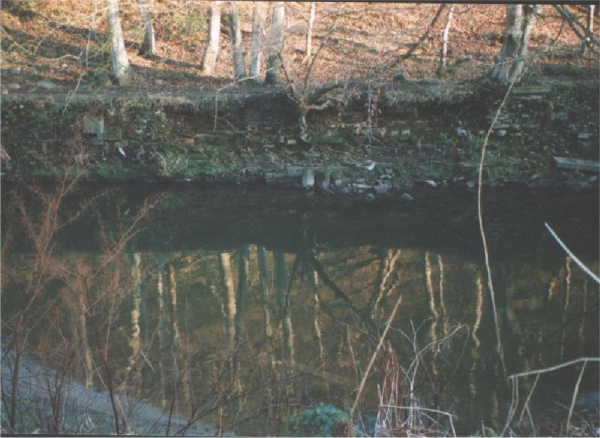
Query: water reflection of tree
[(290, 314), (70, 304)]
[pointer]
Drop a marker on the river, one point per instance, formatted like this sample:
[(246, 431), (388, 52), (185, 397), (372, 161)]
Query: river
[(258, 311)]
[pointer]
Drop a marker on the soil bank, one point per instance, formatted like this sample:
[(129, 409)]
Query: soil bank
[(367, 139)]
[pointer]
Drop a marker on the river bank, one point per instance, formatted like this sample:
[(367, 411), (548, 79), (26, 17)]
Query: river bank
[(367, 140)]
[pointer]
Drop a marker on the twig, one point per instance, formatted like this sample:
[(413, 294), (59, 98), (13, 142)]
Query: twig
[(587, 37), (171, 409), (426, 410), (570, 254), (575, 392), (368, 370), (147, 361), (480, 218), (529, 397), (70, 96), (216, 406), (514, 402), (555, 367), (247, 78), (314, 60)]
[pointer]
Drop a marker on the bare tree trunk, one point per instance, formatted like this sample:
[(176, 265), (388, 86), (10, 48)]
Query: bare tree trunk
[(175, 316), (590, 18), (147, 47), (258, 22), (230, 299), (276, 43), (161, 336), (431, 293), (442, 66), (87, 352), (235, 36), (387, 268), (283, 292), (520, 20), (134, 340), (589, 26), (264, 289), (212, 46), (243, 276), (475, 335), (231, 306), (311, 22), (118, 54)]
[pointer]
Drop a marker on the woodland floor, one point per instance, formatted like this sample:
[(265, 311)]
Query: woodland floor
[(64, 41)]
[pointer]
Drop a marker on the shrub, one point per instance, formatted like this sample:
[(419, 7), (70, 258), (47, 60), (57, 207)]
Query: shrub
[(319, 420)]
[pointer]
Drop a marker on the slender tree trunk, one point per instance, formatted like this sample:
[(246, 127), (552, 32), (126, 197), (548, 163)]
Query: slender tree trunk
[(311, 22), (230, 298), (444, 54), (134, 341), (264, 289), (147, 47), (212, 46), (589, 26), (85, 346), (232, 319), (161, 330), (276, 43), (235, 36), (175, 316), (431, 293), (243, 276), (120, 63), (283, 292), (387, 267), (258, 22), (520, 20), (590, 18)]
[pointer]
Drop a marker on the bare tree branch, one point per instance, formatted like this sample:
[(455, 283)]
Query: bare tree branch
[(579, 29)]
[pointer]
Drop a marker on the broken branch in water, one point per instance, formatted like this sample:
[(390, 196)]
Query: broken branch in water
[(570, 254), (555, 367)]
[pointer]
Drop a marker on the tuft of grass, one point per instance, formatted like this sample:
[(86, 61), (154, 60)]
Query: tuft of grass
[(319, 420)]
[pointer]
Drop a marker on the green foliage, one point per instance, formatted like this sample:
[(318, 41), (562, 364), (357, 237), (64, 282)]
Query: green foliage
[(319, 420)]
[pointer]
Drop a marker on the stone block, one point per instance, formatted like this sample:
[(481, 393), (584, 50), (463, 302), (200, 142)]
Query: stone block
[(308, 178), (323, 178), (93, 125), (46, 84)]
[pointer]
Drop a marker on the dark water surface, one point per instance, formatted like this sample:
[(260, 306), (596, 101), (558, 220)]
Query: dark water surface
[(248, 308)]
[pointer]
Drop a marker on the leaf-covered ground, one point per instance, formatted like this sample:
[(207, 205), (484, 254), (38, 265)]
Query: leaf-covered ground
[(65, 41)]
